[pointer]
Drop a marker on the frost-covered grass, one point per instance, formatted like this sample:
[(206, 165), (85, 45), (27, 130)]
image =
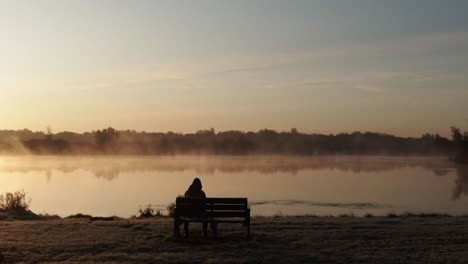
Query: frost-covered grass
[(402, 239)]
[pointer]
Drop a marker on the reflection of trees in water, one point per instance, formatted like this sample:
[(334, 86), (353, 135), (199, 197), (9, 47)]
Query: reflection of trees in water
[(48, 176), (111, 167), (441, 172), (461, 183), (109, 174)]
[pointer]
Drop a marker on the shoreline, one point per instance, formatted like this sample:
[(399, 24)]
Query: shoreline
[(28, 215)]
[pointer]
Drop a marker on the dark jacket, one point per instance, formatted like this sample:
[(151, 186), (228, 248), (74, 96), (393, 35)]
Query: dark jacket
[(195, 191)]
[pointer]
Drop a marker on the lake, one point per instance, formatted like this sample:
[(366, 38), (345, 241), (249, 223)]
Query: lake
[(275, 185)]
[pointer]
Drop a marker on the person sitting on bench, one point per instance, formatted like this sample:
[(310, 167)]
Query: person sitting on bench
[(195, 191)]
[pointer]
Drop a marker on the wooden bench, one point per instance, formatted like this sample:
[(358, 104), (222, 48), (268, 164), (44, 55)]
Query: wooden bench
[(211, 211)]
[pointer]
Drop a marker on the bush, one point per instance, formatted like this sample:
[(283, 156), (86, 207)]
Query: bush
[(392, 215), (170, 209), (149, 212), (368, 215), (16, 201)]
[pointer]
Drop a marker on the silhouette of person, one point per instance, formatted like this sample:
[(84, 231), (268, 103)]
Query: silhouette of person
[(195, 191)]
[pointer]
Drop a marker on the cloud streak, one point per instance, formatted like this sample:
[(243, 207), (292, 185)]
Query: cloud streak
[(255, 64)]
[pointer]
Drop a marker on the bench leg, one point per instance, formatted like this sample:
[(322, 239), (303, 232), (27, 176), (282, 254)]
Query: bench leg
[(247, 222), (176, 228), (205, 230), (214, 226), (186, 229)]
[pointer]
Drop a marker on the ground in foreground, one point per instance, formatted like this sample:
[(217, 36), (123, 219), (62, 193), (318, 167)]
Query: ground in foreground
[(412, 239)]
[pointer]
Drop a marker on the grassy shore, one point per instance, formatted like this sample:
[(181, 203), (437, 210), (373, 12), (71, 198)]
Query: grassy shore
[(410, 239)]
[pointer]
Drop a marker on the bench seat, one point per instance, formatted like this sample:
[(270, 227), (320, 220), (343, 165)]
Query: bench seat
[(209, 220)]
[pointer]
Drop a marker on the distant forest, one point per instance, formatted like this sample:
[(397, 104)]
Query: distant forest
[(266, 141)]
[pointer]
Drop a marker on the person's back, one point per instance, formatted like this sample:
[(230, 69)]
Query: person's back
[(195, 190)]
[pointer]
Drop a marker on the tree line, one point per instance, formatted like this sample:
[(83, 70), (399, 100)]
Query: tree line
[(265, 141)]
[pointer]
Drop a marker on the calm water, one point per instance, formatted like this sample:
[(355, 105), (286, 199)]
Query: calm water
[(274, 185)]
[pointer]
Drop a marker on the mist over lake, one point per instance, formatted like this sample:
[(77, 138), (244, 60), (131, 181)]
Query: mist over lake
[(275, 185)]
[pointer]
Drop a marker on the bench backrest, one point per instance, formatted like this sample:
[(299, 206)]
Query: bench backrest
[(211, 207)]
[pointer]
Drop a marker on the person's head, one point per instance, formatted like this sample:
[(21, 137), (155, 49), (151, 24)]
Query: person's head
[(197, 182)]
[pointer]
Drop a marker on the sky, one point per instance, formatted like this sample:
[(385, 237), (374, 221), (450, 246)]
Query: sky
[(398, 67)]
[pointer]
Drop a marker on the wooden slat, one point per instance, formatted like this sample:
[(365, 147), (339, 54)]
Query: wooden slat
[(227, 220), (186, 211), (213, 200), (226, 200), (227, 214), (217, 220), (225, 207), (212, 214), (212, 207), (179, 205)]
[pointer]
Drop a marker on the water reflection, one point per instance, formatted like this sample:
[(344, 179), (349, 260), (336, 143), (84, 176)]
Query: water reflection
[(273, 184), (110, 168)]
